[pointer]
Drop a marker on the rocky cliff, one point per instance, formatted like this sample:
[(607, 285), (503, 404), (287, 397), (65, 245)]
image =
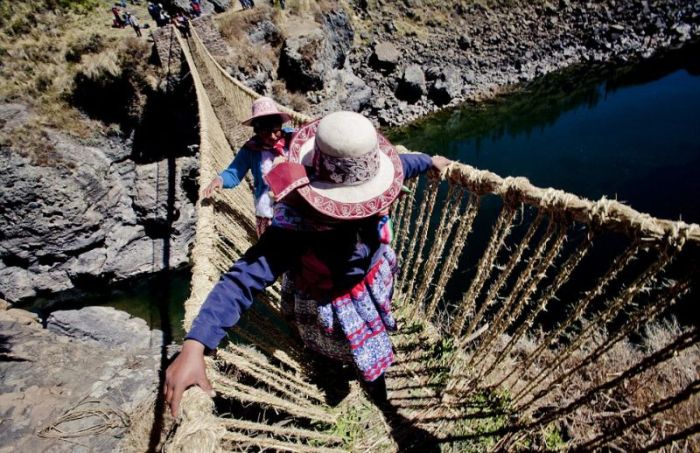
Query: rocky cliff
[(90, 214), (396, 61)]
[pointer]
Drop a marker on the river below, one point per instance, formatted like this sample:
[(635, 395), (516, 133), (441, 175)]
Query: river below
[(631, 133)]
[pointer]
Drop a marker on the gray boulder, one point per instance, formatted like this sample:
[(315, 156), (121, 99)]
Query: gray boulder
[(313, 51), (301, 62), (352, 92), (446, 86), (263, 32), (105, 325), (56, 384), (89, 216), (385, 57), (412, 85)]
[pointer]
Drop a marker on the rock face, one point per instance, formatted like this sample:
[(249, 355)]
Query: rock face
[(311, 54), (481, 48), (89, 217), (385, 57), (412, 84), (107, 326), (48, 378)]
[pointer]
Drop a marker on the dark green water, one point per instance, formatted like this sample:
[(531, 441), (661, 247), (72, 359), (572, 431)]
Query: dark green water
[(158, 299), (627, 133)]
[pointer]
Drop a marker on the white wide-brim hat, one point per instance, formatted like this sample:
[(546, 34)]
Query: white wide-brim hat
[(264, 106), (358, 172)]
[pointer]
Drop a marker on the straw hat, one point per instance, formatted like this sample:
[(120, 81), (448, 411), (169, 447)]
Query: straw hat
[(358, 173), (265, 107)]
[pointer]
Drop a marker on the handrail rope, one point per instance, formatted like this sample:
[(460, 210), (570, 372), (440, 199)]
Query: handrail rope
[(612, 214)]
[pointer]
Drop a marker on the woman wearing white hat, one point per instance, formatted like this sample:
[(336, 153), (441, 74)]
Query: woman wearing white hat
[(256, 155), (329, 232)]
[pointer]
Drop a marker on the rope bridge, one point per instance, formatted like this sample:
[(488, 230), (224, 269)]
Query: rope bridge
[(530, 318)]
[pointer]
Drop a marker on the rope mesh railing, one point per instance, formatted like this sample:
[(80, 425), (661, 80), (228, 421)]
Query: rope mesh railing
[(549, 319)]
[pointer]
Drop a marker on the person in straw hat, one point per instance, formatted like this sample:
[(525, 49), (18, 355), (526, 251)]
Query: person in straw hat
[(256, 155), (331, 233)]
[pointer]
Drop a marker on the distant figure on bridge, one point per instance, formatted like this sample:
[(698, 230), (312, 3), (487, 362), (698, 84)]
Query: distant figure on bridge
[(270, 141), (163, 16), (118, 21), (182, 24), (154, 12), (134, 22), (331, 233), (195, 8)]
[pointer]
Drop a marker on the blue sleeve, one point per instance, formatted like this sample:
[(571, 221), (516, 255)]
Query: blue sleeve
[(270, 257), (236, 171), (415, 164)]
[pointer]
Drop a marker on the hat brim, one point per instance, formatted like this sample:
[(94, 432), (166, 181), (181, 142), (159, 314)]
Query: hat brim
[(249, 121), (349, 201)]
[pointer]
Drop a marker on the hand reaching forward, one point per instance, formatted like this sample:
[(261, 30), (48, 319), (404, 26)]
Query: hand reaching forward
[(440, 162), (215, 184), (187, 369)]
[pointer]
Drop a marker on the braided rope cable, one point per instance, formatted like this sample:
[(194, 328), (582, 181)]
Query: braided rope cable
[(464, 227), (444, 230), (646, 278), (562, 276), (404, 219), (248, 394), (274, 379), (415, 249), (250, 354), (496, 286), (242, 425), (524, 299), (241, 441), (500, 231), (512, 304)]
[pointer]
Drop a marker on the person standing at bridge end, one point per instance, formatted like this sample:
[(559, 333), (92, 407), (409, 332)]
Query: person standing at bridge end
[(271, 140)]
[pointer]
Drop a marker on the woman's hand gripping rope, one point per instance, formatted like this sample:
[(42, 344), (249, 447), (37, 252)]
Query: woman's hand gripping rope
[(215, 184), (186, 370)]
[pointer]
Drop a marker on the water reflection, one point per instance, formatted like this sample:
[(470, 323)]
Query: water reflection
[(627, 132)]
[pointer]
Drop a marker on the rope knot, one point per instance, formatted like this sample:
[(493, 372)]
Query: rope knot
[(513, 190), (677, 235)]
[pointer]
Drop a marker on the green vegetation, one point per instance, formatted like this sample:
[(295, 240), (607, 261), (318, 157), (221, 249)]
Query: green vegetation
[(63, 60)]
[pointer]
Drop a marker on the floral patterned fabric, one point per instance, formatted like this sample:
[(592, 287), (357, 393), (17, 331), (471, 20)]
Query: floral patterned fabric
[(354, 326), (346, 170), (351, 327)]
